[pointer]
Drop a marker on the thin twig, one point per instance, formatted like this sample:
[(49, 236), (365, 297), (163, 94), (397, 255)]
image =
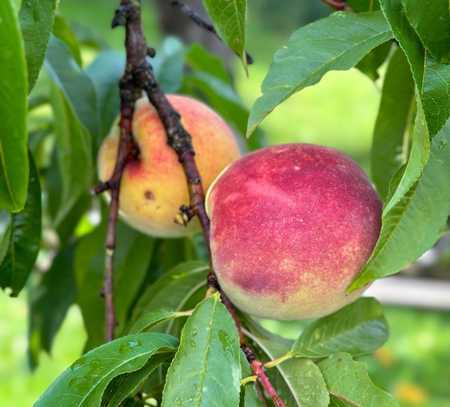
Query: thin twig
[(139, 76), (337, 4), (198, 19)]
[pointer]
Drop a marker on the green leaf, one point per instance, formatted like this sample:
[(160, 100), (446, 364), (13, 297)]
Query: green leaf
[(337, 42), (84, 382), (22, 239), (284, 375), (229, 18), (62, 30), (416, 222), (417, 159), (306, 382), (74, 82), (359, 328), (431, 20), (168, 64), (49, 302), (363, 5), (436, 93), (14, 166), (206, 369), (73, 147), (406, 37), (199, 59), (129, 384), (149, 319), (105, 72), (133, 253), (372, 62), (394, 115), (429, 76), (36, 20), (173, 289), (349, 382)]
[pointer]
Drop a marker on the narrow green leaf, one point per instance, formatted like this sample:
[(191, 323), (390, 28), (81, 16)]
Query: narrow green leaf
[(417, 159), (436, 93), (229, 18), (206, 369), (133, 253), (394, 115), (73, 148), (363, 5), (372, 62), (23, 238), (359, 328), (105, 72), (201, 60), (127, 385), (431, 20), (337, 42), (168, 64), (36, 20), (416, 222), (49, 302), (306, 381), (62, 30), (152, 318), (349, 382), (173, 289), (84, 382), (429, 76), (74, 82), (406, 37), (14, 166)]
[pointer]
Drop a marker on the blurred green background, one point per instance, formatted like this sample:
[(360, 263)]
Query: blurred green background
[(339, 112)]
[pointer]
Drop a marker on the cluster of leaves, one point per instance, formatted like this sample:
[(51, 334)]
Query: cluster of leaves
[(174, 346)]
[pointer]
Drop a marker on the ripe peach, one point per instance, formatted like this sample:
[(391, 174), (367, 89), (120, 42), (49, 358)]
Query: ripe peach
[(154, 187), (291, 225)]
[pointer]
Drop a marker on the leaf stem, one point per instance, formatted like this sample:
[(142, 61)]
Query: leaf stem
[(277, 361)]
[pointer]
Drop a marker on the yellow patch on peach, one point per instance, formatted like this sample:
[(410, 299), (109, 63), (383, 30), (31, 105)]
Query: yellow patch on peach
[(154, 188)]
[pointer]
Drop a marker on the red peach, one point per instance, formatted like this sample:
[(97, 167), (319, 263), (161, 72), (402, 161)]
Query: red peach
[(291, 226), (154, 187)]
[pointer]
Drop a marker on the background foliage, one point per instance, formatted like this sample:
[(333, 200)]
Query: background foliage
[(70, 110)]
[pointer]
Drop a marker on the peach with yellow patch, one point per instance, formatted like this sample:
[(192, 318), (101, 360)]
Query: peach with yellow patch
[(291, 226), (154, 187)]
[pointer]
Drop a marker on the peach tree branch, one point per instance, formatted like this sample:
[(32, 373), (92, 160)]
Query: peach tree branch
[(139, 77)]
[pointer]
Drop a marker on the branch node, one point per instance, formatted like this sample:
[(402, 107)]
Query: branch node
[(185, 215)]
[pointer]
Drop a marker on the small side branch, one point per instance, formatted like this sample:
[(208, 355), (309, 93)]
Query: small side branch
[(198, 19)]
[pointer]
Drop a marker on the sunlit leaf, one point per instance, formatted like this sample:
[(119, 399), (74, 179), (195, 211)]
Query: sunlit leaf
[(359, 328), (229, 18), (416, 221), (337, 42), (206, 369), (394, 115), (349, 382), (83, 383), (14, 166)]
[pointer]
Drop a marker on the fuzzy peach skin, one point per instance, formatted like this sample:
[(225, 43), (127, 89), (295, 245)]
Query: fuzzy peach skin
[(291, 225), (154, 187)]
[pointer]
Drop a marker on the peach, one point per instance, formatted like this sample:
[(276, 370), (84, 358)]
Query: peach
[(154, 187), (291, 225)]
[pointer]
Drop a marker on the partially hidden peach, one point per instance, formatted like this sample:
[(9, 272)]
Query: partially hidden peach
[(154, 187), (291, 226)]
